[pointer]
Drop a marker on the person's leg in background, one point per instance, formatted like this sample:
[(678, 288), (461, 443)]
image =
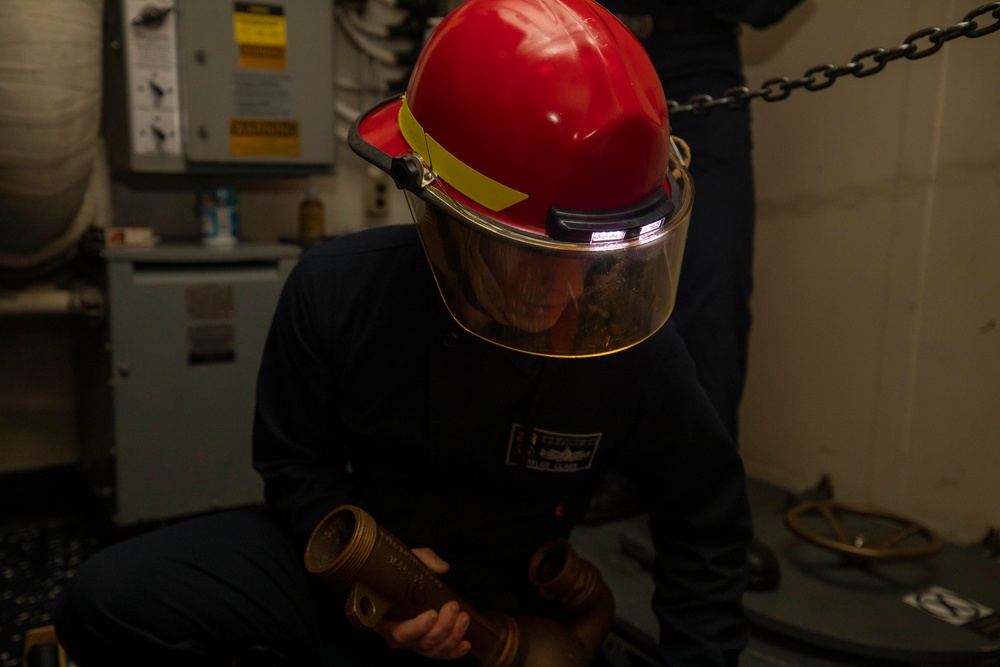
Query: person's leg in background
[(713, 301), (695, 52)]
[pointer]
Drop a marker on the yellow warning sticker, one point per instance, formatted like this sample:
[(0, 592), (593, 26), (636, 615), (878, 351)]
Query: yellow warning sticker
[(260, 137), (261, 35)]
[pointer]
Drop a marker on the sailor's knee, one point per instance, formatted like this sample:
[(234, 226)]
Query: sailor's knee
[(92, 597)]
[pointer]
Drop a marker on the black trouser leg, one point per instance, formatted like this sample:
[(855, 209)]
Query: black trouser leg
[(196, 593)]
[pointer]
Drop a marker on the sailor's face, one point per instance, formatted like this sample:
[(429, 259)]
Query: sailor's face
[(537, 289)]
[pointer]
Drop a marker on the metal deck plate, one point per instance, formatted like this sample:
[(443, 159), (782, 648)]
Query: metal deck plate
[(826, 612), (909, 611)]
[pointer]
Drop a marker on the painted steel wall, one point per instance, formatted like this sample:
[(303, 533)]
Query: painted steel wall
[(875, 349)]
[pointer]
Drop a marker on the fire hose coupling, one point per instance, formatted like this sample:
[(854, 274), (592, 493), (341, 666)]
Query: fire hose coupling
[(383, 578)]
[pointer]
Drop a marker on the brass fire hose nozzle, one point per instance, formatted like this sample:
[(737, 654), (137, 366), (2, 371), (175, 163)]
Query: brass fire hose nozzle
[(383, 578)]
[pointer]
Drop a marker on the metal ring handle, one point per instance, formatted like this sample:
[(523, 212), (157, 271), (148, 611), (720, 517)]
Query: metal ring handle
[(886, 549)]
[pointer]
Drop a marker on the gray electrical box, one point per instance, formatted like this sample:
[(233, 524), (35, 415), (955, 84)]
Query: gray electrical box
[(168, 376), (219, 86)]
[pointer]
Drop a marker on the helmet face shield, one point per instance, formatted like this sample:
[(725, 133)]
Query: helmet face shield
[(533, 294)]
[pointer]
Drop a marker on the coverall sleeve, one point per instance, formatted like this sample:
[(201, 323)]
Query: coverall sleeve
[(700, 524), (296, 449)]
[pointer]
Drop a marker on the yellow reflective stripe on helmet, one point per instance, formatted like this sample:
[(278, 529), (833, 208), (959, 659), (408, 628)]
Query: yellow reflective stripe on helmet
[(476, 186), (412, 131)]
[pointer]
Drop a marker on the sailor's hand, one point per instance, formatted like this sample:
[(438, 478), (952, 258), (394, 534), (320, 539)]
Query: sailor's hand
[(435, 633)]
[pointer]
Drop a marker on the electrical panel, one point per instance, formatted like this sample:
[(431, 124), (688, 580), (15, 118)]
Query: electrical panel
[(219, 86), (167, 376)]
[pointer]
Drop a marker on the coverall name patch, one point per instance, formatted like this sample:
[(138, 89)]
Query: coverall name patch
[(538, 449)]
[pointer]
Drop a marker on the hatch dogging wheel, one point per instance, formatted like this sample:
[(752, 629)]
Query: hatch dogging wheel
[(855, 546)]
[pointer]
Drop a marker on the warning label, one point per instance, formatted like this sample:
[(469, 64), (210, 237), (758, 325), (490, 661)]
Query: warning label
[(211, 331), (261, 34), (955, 609), (262, 57), (263, 95), (258, 137)]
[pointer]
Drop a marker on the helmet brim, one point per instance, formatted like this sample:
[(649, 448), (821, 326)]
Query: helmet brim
[(375, 134)]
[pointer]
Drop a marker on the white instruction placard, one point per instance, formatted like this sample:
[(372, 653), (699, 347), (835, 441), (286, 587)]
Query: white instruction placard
[(154, 110), (947, 605)]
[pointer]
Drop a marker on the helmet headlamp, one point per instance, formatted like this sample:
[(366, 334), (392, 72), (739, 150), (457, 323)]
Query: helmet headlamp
[(618, 224)]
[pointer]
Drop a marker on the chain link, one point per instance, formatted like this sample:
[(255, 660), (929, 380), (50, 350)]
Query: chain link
[(919, 44)]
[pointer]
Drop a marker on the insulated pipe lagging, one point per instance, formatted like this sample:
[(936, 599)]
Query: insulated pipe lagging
[(52, 185), (51, 301)]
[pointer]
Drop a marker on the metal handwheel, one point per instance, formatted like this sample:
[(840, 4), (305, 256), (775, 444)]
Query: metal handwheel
[(857, 547)]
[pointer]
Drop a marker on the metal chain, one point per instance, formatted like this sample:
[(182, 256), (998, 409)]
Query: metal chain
[(919, 44)]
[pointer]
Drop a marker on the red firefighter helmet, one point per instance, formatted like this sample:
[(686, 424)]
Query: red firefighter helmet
[(534, 149)]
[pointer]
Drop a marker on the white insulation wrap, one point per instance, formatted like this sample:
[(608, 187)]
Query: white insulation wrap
[(53, 177)]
